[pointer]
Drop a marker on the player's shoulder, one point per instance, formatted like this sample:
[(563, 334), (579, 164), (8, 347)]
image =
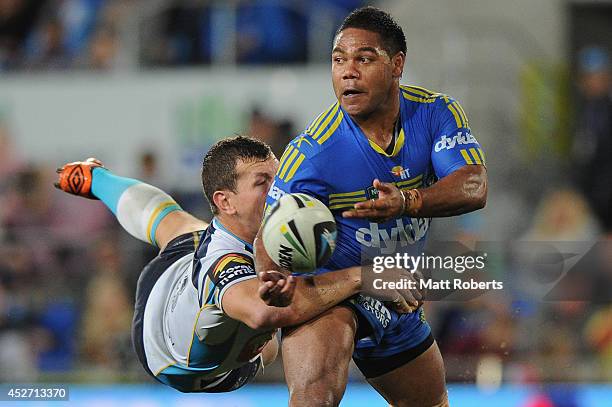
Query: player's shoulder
[(321, 132), (417, 96), (220, 243)]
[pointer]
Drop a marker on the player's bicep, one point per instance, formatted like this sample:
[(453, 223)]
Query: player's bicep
[(453, 145), (242, 303)]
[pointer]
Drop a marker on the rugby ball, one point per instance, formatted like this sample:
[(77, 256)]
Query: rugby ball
[(299, 233)]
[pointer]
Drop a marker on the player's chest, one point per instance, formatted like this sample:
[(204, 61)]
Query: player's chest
[(356, 170)]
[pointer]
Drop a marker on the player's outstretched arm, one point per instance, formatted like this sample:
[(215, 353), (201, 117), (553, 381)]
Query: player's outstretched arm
[(146, 212), (464, 190), (308, 297)]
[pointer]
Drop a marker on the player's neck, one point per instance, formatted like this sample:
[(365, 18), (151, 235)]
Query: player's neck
[(237, 228), (379, 126)]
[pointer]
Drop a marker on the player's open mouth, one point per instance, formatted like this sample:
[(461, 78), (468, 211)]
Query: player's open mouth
[(351, 93)]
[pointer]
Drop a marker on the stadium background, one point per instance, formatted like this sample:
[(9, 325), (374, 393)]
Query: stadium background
[(148, 86)]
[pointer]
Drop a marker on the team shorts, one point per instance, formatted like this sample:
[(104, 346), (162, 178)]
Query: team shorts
[(385, 338)]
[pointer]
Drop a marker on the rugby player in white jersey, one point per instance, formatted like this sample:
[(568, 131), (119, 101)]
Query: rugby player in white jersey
[(203, 322)]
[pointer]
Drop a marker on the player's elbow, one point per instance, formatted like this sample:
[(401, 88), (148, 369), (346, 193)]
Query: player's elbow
[(480, 198), (262, 319), (478, 190)]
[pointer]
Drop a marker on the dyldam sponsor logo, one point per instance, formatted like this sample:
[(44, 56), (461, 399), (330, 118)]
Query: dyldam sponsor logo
[(387, 239), (458, 139)]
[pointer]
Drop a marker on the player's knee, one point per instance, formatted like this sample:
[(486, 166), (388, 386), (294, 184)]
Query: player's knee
[(439, 401), (319, 394)]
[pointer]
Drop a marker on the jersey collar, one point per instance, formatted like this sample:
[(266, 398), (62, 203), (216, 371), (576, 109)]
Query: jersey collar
[(218, 225), (399, 143), (399, 140)]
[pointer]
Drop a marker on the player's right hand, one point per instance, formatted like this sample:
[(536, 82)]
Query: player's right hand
[(76, 177), (404, 301), (276, 289)]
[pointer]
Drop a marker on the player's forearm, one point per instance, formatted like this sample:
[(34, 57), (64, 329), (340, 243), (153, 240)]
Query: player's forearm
[(316, 295), (465, 190), (263, 262)]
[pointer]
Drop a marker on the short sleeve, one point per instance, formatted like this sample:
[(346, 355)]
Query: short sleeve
[(297, 173), (453, 143), (228, 270)]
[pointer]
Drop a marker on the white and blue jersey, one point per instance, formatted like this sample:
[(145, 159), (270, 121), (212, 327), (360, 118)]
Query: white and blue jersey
[(181, 334), (333, 161)]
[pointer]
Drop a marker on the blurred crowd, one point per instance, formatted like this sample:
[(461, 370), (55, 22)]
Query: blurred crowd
[(68, 272), (51, 35)]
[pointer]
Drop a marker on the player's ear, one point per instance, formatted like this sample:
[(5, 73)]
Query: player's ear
[(398, 61), (223, 202)]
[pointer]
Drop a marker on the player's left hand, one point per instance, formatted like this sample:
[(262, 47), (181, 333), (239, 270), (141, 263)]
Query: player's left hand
[(276, 289), (389, 205)]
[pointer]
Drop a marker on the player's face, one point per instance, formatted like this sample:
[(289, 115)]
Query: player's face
[(363, 73), (254, 181)]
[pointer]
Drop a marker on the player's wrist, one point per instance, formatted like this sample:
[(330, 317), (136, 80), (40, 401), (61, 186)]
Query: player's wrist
[(413, 201)]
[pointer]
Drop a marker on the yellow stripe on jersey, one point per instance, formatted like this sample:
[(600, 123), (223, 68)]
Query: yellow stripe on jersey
[(419, 99), (414, 186), (462, 114), (319, 118), (455, 113), (409, 181), (399, 143), (294, 168), (341, 206), (341, 194), (283, 170), (482, 156), (331, 129), (283, 159), (196, 240), (227, 259), (194, 333), (322, 126), (475, 156), (466, 157), (164, 368), (349, 199), (420, 90)]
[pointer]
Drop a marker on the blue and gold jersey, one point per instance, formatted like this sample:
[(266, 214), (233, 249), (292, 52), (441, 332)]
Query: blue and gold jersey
[(335, 162)]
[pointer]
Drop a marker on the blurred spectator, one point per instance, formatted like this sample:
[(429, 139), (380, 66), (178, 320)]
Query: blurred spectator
[(277, 134), (178, 35), (17, 18), (562, 215), (108, 310), (102, 49), (48, 50), (592, 147), (271, 31), (598, 334)]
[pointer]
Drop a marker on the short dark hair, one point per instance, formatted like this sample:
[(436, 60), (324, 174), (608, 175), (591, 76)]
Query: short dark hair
[(219, 165), (374, 19)]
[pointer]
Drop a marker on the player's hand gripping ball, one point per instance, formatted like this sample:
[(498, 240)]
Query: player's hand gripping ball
[(299, 233)]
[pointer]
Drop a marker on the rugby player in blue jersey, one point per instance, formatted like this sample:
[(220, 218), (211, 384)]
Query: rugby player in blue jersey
[(199, 322), (385, 158)]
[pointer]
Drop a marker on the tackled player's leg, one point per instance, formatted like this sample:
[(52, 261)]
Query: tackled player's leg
[(420, 382), (144, 211), (316, 357)]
